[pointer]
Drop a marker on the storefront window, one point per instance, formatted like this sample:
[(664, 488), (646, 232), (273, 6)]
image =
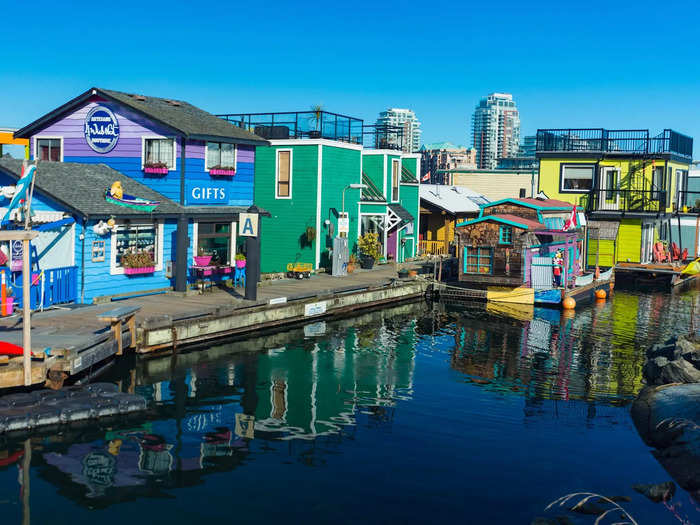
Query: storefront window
[(214, 238), (159, 152), (221, 155), (136, 239)]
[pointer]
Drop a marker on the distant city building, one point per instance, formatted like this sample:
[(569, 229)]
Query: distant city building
[(406, 119), (516, 163), (528, 146), (446, 156), (495, 129)]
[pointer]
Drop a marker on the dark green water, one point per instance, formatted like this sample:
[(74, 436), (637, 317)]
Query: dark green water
[(418, 413)]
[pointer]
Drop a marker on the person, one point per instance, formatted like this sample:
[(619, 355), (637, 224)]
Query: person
[(558, 266)]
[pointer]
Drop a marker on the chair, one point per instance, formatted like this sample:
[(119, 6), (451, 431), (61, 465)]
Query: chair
[(239, 277)]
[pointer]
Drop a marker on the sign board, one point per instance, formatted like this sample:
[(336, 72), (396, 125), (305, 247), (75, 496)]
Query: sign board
[(344, 224), (248, 224), (16, 254), (101, 129), (206, 192), (315, 308), (278, 300), (315, 329)]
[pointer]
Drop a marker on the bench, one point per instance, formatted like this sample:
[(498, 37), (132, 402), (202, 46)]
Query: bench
[(118, 316)]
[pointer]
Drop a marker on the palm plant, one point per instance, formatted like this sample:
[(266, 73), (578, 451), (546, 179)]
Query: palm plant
[(316, 116)]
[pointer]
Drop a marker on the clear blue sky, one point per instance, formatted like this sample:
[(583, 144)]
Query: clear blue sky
[(598, 64)]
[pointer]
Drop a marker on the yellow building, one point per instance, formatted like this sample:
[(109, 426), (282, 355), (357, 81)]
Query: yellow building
[(632, 185), (7, 138)]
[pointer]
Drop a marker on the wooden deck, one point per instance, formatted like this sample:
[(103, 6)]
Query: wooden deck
[(662, 271)]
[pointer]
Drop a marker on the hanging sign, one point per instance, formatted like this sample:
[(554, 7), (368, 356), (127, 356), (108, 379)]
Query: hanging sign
[(248, 224), (344, 224), (101, 129), (17, 253)]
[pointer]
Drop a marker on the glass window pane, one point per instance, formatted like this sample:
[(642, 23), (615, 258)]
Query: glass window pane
[(228, 159), (283, 173), (136, 239), (213, 154), (578, 177)]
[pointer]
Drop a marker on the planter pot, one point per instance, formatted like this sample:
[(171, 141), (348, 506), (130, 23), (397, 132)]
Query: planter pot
[(403, 274), (9, 305), (350, 268), (220, 172), (202, 260), (240, 264), (139, 271), (412, 273), (366, 262), (155, 171)]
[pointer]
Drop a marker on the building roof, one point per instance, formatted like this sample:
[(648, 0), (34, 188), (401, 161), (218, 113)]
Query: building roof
[(402, 213), (441, 145), (538, 204), (509, 219), (81, 189), (180, 116), (452, 199)]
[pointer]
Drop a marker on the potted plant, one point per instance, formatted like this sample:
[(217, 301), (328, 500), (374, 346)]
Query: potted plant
[(204, 257), (370, 250), (228, 171), (158, 168), (240, 260), (138, 263)]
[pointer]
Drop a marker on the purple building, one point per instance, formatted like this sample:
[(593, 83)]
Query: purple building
[(201, 165)]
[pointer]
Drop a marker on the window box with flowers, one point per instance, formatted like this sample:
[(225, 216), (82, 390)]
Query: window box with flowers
[(156, 168), (221, 159), (222, 171), (138, 263)]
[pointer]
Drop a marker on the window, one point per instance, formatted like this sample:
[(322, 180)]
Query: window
[(159, 153), (136, 239), (505, 234), (657, 182), (478, 260), (215, 239), (576, 178), (98, 251), (221, 155), (394, 180), (49, 149), (284, 174)]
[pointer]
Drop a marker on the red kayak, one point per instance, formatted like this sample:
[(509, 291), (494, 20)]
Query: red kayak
[(10, 349)]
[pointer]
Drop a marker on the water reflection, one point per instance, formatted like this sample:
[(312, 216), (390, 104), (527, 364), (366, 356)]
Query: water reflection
[(309, 395)]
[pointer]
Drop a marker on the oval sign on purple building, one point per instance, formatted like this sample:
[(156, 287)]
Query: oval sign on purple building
[(101, 129)]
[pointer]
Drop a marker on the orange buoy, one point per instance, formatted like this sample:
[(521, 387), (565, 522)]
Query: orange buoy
[(569, 303), (600, 294)]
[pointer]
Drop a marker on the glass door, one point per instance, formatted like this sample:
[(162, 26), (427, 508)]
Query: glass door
[(609, 194)]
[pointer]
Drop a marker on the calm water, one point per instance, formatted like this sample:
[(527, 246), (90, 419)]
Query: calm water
[(417, 413)]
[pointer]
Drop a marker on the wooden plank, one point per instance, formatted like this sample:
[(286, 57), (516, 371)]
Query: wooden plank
[(18, 235), (118, 314)]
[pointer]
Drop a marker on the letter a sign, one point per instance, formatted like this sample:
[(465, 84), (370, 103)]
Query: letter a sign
[(248, 224)]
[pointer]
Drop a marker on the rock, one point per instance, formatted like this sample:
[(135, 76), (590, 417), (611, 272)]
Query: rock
[(667, 350), (690, 351), (652, 370), (679, 371), (657, 492)]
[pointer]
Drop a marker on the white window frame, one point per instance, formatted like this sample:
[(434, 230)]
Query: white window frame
[(160, 230), (144, 138), (50, 137), (398, 180), (277, 172), (233, 240), (574, 165), (206, 153)]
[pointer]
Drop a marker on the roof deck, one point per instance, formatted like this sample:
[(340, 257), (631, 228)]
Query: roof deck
[(636, 142), (320, 124)]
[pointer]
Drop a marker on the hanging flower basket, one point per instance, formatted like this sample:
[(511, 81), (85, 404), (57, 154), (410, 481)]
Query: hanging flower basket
[(156, 168), (222, 171), (139, 271)]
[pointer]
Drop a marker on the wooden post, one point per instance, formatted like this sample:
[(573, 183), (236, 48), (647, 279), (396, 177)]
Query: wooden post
[(26, 323)]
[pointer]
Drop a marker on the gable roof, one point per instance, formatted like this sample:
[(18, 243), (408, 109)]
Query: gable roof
[(180, 116), (452, 199), (507, 218), (537, 204)]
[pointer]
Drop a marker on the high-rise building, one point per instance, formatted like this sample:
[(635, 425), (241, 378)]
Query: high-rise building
[(445, 156), (496, 129), (528, 146), (406, 119)]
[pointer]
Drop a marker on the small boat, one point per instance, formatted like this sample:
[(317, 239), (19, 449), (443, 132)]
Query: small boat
[(129, 201), (10, 349)]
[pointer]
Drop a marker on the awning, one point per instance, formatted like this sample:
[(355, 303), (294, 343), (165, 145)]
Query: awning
[(402, 213), (54, 225)]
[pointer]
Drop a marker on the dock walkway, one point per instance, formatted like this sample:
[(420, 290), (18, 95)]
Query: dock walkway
[(77, 336)]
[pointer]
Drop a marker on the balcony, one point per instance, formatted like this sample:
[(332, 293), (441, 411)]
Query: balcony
[(636, 142), (318, 125), (635, 201)]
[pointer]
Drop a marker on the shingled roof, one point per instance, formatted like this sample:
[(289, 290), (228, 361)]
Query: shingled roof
[(180, 116)]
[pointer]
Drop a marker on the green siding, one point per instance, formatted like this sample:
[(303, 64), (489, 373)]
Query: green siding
[(629, 240), (373, 166), (410, 164), (341, 167), (606, 256), (283, 236), (410, 201)]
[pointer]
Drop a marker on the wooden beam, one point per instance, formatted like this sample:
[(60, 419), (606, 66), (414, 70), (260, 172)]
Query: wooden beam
[(18, 235), (26, 322)]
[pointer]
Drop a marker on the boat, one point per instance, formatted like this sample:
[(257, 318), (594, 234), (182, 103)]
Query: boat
[(130, 201)]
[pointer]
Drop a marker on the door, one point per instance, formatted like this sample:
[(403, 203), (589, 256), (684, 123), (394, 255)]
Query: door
[(541, 273), (647, 242), (609, 184)]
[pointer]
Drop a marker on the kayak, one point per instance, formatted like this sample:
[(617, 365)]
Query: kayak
[(129, 201), (10, 349)]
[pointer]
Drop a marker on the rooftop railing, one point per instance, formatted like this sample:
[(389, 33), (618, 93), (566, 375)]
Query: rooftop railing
[(383, 136), (626, 141)]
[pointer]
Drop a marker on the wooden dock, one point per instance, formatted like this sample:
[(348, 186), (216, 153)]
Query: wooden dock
[(79, 339), (660, 274)]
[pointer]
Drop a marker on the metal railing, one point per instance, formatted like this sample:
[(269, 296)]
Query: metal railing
[(383, 136), (628, 141), (627, 200), (432, 247)]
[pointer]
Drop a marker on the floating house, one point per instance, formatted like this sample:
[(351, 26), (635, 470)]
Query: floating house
[(521, 249), (441, 207), (319, 166), (199, 168), (633, 186)]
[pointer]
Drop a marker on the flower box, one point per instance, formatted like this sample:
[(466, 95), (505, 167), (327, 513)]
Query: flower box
[(139, 271), (202, 260), (156, 170), (222, 171), (240, 263)]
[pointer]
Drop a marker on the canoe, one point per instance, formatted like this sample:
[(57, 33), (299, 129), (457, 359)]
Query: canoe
[(129, 201), (10, 349)]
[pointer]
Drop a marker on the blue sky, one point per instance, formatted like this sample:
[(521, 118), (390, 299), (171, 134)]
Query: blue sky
[(598, 64)]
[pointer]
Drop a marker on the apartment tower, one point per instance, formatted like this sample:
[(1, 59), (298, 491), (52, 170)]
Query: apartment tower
[(496, 129)]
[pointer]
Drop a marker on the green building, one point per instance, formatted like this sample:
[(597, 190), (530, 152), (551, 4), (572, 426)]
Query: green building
[(311, 173)]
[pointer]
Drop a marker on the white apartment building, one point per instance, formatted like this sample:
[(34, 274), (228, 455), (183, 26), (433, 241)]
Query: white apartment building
[(406, 119), (495, 129)]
